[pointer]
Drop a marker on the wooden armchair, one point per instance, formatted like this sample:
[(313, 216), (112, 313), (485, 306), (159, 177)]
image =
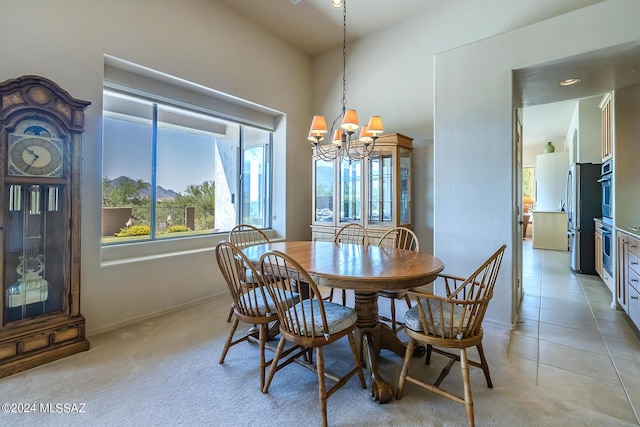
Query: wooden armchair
[(241, 236), (354, 234), (251, 304), (399, 238), (308, 324), (452, 322)]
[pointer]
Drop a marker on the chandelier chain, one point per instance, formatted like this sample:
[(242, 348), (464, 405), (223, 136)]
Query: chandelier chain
[(345, 143), (344, 56)]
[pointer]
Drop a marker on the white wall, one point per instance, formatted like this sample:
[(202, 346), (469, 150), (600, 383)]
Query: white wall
[(586, 126), (626, 157), (203, 42), (391, 73), (473, 130), (197, 40)]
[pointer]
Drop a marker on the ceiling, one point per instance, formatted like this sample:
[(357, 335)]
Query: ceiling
[(549, 107), (313, 26)]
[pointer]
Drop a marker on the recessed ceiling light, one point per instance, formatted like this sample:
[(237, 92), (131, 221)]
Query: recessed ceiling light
[(569, 82)]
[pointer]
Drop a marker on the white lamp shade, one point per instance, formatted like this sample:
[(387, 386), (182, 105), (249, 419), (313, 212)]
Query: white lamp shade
[(365, 135), (315, 138), (318, 126), (350, 121), (337, 137), (375, 125)]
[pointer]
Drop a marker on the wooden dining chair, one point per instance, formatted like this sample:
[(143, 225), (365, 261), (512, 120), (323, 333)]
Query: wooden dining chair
[(309, 324), (250, 304), (398, 238), (351, 233), (452, 322), (242, 236)]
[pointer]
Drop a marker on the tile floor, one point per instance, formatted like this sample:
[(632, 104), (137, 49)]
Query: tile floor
[(570, 342)]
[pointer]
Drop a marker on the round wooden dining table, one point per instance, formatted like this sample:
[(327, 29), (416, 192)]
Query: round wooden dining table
[(365, 270)]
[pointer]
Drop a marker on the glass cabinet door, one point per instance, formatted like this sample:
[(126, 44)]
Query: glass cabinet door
[(405, 186), (324, 180), (35, 255), (380, 206), (350, 190)]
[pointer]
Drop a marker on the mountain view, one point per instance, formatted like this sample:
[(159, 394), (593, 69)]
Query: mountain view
[(161, 193)]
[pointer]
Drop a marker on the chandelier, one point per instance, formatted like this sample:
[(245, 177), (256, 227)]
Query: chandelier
[(346, 141)]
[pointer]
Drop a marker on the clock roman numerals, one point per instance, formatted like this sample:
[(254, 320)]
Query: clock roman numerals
[(35, 156)]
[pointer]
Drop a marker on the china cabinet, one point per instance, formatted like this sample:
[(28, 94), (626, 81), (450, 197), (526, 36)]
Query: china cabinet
[(374, 192), (40, 133)]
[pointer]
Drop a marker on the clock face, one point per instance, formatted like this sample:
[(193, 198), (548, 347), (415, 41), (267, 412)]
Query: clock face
[(35, 155)]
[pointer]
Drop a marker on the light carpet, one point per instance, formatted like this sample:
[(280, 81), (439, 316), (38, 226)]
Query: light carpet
[(164, 372)]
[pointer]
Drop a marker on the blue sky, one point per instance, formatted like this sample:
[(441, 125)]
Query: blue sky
[(183, 158)]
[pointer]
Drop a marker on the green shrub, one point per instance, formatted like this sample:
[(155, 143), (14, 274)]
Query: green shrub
[(134, 230), (177, 228)]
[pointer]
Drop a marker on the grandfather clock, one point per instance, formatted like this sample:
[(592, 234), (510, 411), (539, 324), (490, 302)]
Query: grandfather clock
[(40, 152)]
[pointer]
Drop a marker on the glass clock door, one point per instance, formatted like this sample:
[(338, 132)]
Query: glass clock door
[(35, 251)]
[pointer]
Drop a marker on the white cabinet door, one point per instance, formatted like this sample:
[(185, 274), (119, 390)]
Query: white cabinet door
[(634, 306)]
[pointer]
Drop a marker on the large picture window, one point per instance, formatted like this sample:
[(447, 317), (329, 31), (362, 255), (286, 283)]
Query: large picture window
[(171, 171)]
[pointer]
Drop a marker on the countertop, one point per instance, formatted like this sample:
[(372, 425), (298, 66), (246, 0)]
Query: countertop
[(633, 230), (549, 212)]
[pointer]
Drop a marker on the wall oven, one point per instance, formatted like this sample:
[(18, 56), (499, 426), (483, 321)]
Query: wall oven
[(607, 244), (607, 195)]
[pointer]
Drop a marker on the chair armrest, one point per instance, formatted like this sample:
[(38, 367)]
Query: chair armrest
[(416, 293), (449, 276), (451, 282)]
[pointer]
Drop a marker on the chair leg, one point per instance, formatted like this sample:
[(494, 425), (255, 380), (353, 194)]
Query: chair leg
[(227, 345), (468, 400), (485, 366), (427, 358), (263, 341), (393, 314), (445, 371), (274, 364), (405, 368), (408, 300), (230, 315), (356, 359), (344, 296), (322, 390)]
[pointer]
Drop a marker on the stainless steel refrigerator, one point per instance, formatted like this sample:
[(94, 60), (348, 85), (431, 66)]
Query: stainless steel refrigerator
[(584, 203)]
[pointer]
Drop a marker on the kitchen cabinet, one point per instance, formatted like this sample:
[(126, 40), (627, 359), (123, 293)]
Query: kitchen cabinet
[(374, 192), (634, 306), (607, 142), (550, 230), (598, 247), (628, 275)]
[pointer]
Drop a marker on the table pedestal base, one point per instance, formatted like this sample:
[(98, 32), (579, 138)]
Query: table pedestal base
[(373, 336)]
